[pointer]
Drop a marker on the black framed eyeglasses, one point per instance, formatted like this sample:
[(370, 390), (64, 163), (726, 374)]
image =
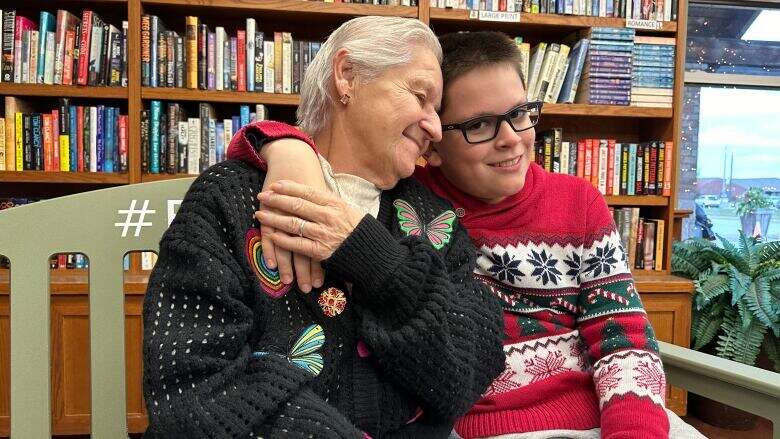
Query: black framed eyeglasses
[(484, 128)]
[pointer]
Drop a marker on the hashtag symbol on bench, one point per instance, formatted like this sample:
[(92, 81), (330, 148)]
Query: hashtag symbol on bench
[(130, 213)]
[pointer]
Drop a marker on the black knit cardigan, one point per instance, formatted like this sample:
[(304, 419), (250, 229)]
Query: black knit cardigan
[(412, 342)]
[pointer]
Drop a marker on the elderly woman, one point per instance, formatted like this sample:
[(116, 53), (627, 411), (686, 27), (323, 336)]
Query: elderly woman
[(398, 341)]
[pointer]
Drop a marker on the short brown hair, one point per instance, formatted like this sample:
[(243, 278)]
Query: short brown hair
[(467, 51)]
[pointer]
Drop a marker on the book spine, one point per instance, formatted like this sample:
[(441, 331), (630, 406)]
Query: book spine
[(193, 146), (162, 59), (259, 68), (182, 145), (212, 61), (108, 140), (296, 67), (163, 154), (286, 62), (203, 56), (610, 164), (204, 136), (668, 159), (241, 61), (9, 23), (192, 51), (179, 53), (67, 66), (96, 44), (48, 143), (100, 139), (154, 137), (581, 146), (73, 161), (64, 137), (122, 136), (19, 134), (146, 50), (278, 72), (27, 142), (93, 136), (268, 67), (653, 174), (632, 161), (55, 131), (659, 244), (250, 54), (37, 142), (145, 141), (173, 137), (646, 170), (85, 43), (212, 143), (603, 166), (219, 54), (640, 167), (80, 138)]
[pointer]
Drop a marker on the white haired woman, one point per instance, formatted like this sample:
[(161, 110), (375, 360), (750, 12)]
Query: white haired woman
[(398, 341)]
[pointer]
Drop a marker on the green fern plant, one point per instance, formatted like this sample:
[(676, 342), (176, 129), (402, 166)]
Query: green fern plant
[(737, 298)]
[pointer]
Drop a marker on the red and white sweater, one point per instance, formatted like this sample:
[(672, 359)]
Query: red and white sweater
[(580, 352)]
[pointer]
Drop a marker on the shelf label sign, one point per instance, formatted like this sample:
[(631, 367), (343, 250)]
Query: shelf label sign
[(505, 17), (644, 24)]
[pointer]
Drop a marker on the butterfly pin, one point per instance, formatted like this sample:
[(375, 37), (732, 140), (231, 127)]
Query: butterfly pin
[(438, 231), (304, 352)]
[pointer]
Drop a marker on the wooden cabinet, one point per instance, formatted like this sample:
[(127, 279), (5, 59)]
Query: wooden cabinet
[(70, 364)]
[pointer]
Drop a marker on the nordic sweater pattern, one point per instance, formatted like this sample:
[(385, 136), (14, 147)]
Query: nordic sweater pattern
[(217, 349), (580, 352)]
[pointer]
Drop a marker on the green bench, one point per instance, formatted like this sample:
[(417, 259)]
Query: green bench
[(107, 224)]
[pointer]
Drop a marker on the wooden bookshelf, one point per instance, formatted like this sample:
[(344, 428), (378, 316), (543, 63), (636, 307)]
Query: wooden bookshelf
[(637, 200), (561, 22), (296, 6), (146, 178), (184, 94), (108, 178), (618, 111), (74, 91), (666, 297)]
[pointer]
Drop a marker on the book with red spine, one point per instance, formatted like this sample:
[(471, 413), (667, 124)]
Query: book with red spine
[(55, 135), (67, 66), (80, 138), (594, 164), (581, 159), (588, 173), (241, 60), (653, 174), (85, 43), (65, 22)]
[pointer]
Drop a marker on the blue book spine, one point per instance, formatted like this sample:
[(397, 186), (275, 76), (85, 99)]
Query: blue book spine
[(108, 131), (220, 129), (154, 137), (631, 169), (244, 115), (73, 138), (236, 124), (47, 23), (36, 120), (100, 142), (573, 73)]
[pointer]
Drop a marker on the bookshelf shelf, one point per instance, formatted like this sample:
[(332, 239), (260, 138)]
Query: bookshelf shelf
[(63, 177), (606, 111), (145, 178), (541, 20), (661, 282), (183, 94), (637, 200), (12, 89), (297, 6)]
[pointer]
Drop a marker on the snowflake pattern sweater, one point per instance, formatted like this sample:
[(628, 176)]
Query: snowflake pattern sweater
[(399, 342), (580, 352)]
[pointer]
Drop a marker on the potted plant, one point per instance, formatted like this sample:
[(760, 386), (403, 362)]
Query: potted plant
[(755, 209), (736, 310)]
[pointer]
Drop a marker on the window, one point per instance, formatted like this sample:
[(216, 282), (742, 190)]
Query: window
[(729, 138)]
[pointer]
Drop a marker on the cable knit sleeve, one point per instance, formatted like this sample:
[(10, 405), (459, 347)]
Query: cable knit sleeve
[(200, 377), (628, 374), (425, 320)]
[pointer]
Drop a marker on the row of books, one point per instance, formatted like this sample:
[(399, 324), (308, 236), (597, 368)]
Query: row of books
[(175, 142), (652, 80), (206, 60), (63, 49), (614, 168), (642, 238), (659, 10), (70, 138), (605, 67)]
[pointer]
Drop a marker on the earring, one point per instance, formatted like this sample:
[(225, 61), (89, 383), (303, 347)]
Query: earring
[(344, 99)]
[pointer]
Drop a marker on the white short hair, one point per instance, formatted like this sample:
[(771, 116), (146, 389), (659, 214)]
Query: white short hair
[(375, 44)]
